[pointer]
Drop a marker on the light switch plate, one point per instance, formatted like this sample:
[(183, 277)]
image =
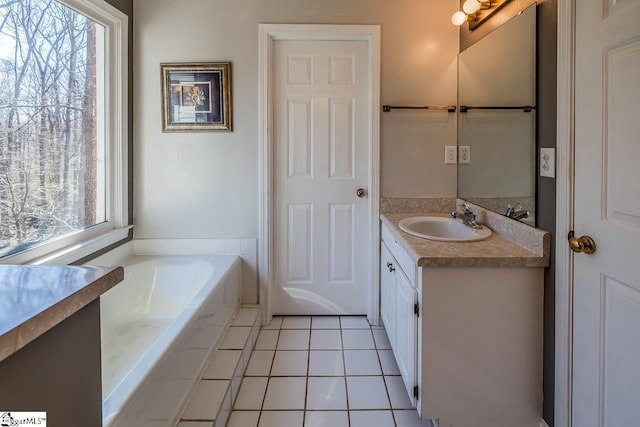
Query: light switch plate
[(464, 154), (450, 154), (548, 162)]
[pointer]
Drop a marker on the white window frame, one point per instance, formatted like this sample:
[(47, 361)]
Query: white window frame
[(70, 248)]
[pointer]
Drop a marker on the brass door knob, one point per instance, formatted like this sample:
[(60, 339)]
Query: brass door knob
[(582, 244), (360, 192)]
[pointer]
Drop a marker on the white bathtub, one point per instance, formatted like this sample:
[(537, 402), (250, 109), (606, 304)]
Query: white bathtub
[(159, 328)]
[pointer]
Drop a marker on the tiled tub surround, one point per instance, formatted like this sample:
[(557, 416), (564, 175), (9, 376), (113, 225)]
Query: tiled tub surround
[(211, 402), (34, 299), (158, 330)]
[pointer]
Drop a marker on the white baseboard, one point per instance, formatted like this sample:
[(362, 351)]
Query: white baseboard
[(543, 423)]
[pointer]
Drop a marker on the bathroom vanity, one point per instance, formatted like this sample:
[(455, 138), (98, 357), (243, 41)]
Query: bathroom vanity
[(50, 341), (465, 321)]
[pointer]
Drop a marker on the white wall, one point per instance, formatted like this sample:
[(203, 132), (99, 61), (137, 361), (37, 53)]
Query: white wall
[(500, 70), (205, 185)]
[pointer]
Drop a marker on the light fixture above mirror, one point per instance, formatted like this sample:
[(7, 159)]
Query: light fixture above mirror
[(476, 11)]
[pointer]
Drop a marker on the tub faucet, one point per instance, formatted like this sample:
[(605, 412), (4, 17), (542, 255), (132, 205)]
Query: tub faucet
[(467, 216), (516, 212)]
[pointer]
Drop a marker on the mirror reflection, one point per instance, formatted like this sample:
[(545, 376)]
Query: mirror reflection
[(497, 119)]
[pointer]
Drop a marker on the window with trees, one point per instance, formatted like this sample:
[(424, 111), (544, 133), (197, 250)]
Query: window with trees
[(59, 123)]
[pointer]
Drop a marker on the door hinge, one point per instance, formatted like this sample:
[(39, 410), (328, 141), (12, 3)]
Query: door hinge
[(416, 309), (415, 392)]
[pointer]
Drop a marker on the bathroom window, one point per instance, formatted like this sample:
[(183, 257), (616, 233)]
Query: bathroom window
[(62, 127)]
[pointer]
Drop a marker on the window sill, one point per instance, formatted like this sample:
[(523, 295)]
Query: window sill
[(85, 248)]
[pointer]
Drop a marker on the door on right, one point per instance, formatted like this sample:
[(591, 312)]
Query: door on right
[(606, 283)]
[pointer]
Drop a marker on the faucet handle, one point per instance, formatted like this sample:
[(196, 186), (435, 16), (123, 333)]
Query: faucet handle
[(467, 208)]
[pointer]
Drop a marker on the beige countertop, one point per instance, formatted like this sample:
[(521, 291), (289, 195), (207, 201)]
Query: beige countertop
[(34, 299), (496, 251)]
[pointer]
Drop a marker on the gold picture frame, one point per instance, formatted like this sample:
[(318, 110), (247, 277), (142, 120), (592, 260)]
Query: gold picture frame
[(196, 96)]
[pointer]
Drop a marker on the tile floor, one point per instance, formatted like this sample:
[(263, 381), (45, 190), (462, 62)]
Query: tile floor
[(316, 371)]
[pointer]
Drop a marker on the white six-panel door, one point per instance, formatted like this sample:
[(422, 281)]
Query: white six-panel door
[(606, 341), (320, 161)]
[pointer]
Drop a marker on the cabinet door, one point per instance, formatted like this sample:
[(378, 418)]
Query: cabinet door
[(388, 292), (406, 344)]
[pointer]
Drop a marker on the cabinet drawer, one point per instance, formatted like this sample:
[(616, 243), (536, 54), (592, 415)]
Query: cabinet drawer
[(400, 254)]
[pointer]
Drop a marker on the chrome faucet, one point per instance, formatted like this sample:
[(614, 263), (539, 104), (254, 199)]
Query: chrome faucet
[(467, 216), (516, 212)]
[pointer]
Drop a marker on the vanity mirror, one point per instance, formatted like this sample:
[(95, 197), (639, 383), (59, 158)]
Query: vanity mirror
[(497, 119)]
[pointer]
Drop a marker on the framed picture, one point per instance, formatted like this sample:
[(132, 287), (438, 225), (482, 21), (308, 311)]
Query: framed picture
[(196, 96)]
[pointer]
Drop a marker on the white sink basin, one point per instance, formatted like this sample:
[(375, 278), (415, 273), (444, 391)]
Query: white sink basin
[(442, 229)]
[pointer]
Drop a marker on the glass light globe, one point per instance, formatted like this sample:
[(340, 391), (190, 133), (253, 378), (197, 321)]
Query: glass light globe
[(471, 6), (459, 18)]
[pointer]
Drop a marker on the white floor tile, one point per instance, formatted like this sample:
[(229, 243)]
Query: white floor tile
[(236, 338), (285, 393), (410, 418), (246, 317), (260, 363), (296, 322), (326, 418), (223, 365), (276, 323), (293, 340), (326, 393), (206, 400), (367, 393), (362, 362), (388, 361), (357, 339), (325, 322), (354, 322), (322, 339), (398, 393), (292, 363), (251, 393), (267, 340), (371, 419), (244, 419), (281, 419), (326, 363), (381, 339)]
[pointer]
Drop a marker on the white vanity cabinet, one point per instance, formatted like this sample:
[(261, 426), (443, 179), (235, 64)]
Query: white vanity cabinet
[(398, 306), (467, 336)]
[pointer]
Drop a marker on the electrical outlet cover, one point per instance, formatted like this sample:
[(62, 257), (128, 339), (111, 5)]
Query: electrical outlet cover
[(464, 154), (450, 154), (548, 162)]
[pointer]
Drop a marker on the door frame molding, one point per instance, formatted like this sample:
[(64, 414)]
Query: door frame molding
[(565, 186), (268, 34)]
